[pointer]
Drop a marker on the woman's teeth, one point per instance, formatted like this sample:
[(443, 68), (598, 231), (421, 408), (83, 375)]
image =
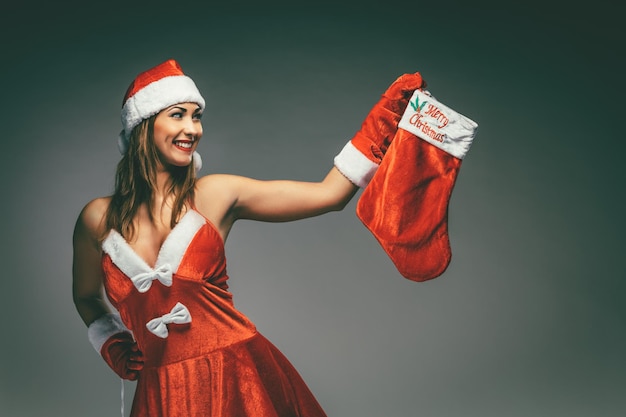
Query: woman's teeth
[(186, 145)]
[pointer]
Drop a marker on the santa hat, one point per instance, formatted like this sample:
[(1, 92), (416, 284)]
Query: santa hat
[(152, 91)]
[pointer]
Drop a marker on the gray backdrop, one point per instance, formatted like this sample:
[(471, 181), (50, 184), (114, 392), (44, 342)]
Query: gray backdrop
[(528, 320)]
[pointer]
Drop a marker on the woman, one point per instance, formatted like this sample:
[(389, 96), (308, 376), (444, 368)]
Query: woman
[(156, 246)]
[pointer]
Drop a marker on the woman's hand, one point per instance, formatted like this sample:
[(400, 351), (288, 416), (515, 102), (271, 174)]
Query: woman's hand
[(122, 355)]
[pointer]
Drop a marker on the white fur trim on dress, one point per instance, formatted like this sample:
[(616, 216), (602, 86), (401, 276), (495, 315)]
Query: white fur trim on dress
[(156, 96), (438, 124), (355, 166), (103, 328), (170, 255)]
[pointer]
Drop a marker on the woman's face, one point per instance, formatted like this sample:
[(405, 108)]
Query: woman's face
[(177, 130)]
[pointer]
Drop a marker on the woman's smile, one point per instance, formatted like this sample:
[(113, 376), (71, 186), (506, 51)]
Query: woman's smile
[(177, 130), (184, 145)]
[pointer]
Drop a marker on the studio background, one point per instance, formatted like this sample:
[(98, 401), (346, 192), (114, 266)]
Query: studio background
[(529, 318)]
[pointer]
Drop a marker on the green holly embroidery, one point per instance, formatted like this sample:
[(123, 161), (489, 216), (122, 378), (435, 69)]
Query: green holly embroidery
[(417, 106)]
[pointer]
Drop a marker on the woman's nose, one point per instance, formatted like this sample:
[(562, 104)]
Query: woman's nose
[(192, 126)]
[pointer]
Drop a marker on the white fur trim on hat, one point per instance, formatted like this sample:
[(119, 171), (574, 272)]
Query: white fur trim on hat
[(156, 96)]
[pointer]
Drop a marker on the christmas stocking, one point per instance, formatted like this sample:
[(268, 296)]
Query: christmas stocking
[(405, 205)]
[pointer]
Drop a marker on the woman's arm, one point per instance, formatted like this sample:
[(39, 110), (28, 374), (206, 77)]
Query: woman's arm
[(86, 270), (279, 200), (106, 332)]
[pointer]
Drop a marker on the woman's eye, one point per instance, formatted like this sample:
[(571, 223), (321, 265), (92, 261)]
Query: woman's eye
[(176, 115), (197, 116)]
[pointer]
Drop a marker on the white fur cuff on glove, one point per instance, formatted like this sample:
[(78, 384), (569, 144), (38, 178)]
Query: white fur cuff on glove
[(103, 328), (355, 166)]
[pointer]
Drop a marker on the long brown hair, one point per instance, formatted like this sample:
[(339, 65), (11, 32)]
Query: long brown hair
[(135, 182)]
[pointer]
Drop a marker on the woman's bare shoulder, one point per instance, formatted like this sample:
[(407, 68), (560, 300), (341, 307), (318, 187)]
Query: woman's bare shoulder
[(216, 180), (215, 196), (215, 185), (92, 216)]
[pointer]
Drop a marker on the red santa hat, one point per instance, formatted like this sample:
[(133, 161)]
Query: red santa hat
[(152, 91)]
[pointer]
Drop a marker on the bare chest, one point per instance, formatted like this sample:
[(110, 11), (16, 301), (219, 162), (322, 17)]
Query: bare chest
[(149, 237)]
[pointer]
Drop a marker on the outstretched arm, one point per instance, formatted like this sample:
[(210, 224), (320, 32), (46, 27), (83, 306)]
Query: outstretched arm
[(231, 197), (278, 200)]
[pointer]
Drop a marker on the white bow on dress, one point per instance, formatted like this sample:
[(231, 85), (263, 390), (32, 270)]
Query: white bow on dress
[(143, 281), (178, 315)]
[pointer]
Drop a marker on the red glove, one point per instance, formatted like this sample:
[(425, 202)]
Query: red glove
[(114, 342), (121, 353), (359, 159)]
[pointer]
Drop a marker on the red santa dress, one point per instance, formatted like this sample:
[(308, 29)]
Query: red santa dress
[(203, 358)]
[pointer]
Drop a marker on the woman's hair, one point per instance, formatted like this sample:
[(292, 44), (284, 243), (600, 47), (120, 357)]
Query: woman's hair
[(135, 182)]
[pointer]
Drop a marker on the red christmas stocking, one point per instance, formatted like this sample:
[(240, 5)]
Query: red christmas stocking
[(405, 205)]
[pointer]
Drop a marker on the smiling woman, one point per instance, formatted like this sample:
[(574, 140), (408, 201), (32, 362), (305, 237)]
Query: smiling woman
[(177, 130), (156, 247)]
